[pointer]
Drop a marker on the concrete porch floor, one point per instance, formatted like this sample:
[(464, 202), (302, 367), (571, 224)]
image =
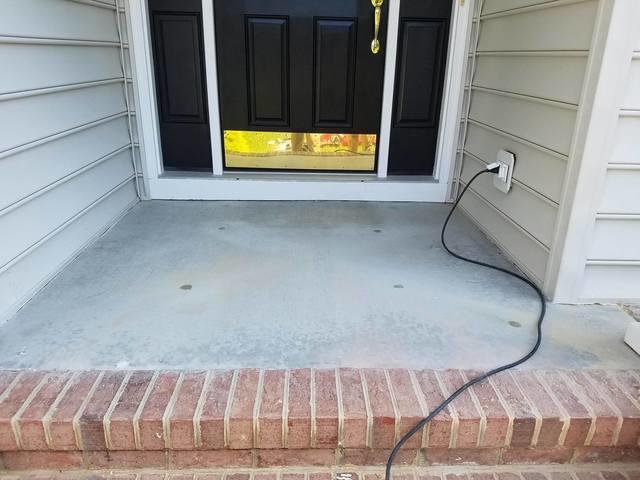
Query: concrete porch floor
[(296, 284)]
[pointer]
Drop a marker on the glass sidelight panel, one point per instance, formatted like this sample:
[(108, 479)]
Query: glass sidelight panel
[(300, 151)]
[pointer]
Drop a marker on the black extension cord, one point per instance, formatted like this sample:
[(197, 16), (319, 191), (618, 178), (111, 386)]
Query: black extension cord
[(470, 383)]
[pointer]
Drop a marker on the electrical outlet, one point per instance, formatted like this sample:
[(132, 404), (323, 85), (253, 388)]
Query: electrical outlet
[(502, 180)]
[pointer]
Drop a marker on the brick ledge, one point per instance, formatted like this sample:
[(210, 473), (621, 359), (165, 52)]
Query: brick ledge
[(601, 472), (334, 415)]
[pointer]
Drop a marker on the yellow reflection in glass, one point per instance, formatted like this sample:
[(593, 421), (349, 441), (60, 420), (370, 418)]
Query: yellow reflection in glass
[(299, 151)]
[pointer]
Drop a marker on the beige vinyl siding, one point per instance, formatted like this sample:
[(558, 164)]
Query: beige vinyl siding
[(613, 259), (66, 170), (530, 67)]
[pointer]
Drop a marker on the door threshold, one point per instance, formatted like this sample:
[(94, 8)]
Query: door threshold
[(295, 186), (297, 176)]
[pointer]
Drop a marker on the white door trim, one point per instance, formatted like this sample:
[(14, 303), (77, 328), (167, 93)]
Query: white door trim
[(330, 187), (388, 87), (211, 69)]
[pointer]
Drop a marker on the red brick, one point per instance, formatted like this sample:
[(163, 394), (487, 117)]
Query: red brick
[(6, 377), (611, 475), (326, 409), (25, 460), (121, 432), (408, 404), (90, 423), (150, 422), (265, 476), (584, 476), (237, 476), (461, 456), (208, 476), (269, 431), (439, 428), (320, 476), (346, 475), (520, 455), (533, 476), (524, 417), (213, 410), (606, 454), (180, 476), (242, 406), (629, 432), (125, 459), (629, 383), (60, 420), (293, 476), (152, 476), (552, 417), (510, 476), (384, 418), (482, 476), (430, 476), (30, 423), (468, 416), (496, 417), (606, 418), (354, 434), (580, 418), (295, 457), (210, 458), (299, 413), (377, 476), (377, 456), (11, 403), (181, 427)]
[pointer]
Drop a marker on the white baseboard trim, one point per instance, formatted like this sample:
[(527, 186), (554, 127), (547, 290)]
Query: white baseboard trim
[(297, 187)]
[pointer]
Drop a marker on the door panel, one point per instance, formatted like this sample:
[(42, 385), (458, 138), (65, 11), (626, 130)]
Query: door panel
[(421, 46), (268, 70), (420, 69), (334, 72), (302, 68), (180, 84)]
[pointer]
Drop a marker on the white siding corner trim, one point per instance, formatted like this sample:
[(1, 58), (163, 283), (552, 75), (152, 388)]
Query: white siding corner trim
[(596, 257)]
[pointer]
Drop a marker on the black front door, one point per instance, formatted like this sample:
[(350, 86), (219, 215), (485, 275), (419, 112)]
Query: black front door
[(304, 68), (176, 30)]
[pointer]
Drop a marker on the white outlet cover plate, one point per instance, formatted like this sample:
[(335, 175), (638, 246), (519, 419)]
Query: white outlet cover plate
[(509, 159)]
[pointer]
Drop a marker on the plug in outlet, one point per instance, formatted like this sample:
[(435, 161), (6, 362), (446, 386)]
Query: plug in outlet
[(502, 180)]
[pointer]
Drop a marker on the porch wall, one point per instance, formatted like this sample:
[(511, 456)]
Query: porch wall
[(530, 68), (66, 170)]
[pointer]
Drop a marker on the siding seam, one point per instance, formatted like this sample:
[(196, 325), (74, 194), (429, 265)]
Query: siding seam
[(515, 181), (503, 248), (57, 88), (95, 3), (526, 98), (532, 53), (62, 134), (65, 224), (509, 219), (521, 140), (61, 181), (11, 39), (530, 8)]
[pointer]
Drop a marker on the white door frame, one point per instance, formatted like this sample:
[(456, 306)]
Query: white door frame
[(220, 185)]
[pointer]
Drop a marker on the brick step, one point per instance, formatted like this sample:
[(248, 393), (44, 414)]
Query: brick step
[(600, 472), (320, 417)]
